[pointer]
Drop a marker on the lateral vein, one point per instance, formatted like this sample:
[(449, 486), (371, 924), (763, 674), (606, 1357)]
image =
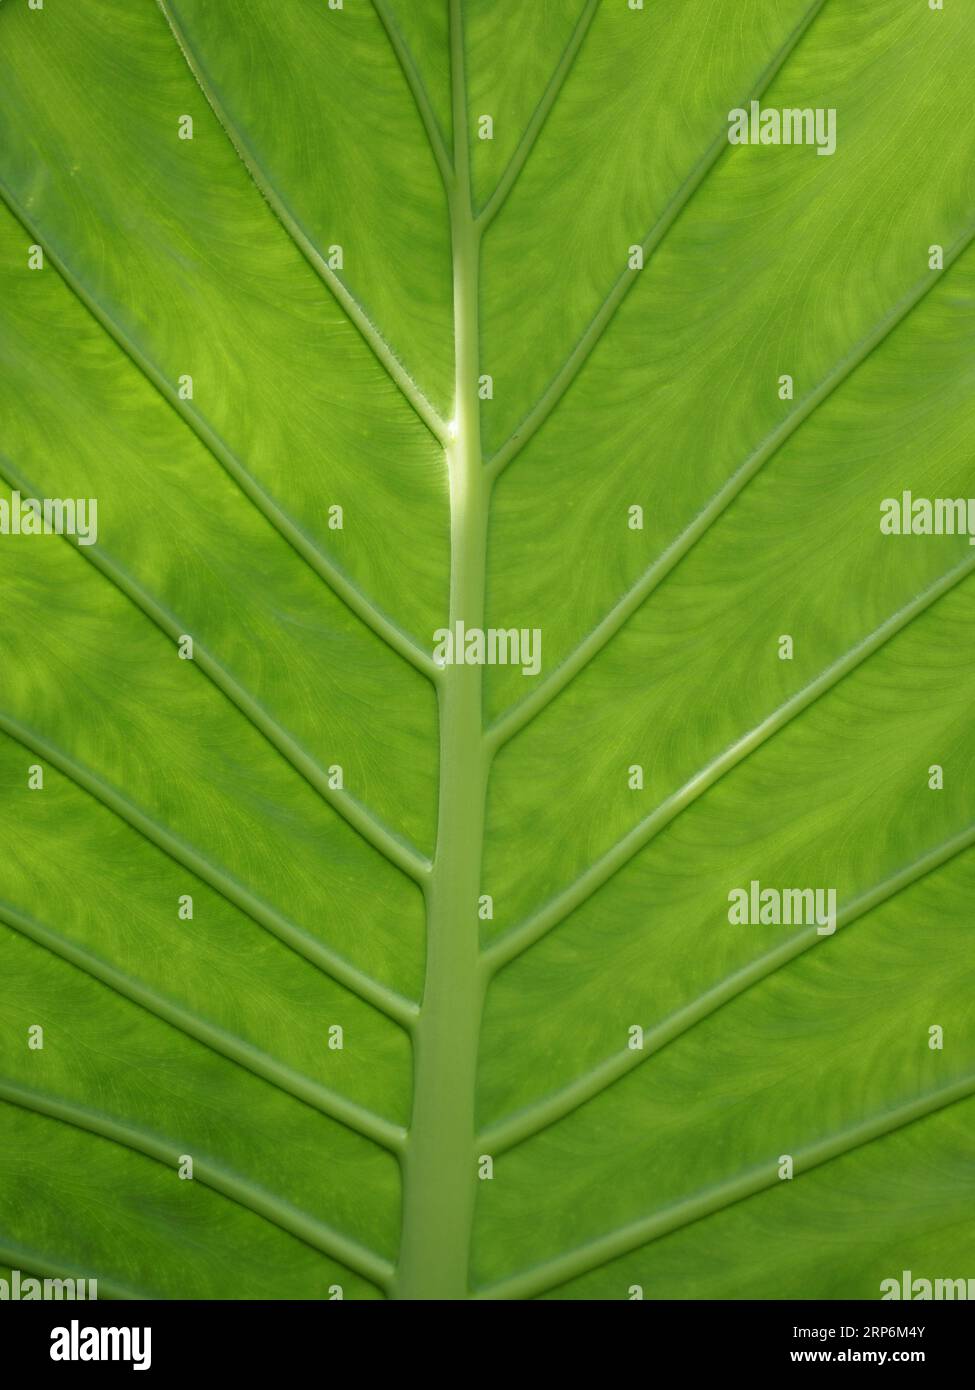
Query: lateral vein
[(525, 1124), (216, 1039), (246, 1194), (39, 1266), (644, 1230), (339, 583), (353, 309), (393, 847), (580, 354), (520, 938), (518, 716), (419, 92), (395, 1006), (549, 97)]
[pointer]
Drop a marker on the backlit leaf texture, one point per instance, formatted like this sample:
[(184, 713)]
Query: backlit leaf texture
[(564, 1072)]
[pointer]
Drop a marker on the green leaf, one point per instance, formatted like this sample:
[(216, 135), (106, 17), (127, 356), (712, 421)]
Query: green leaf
[(526, 944)]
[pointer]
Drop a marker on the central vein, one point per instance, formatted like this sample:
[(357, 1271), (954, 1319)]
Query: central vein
[(439, 1159)]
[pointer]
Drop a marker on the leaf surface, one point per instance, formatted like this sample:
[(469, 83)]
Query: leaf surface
[(296, 310)]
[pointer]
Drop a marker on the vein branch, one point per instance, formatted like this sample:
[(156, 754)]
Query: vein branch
[(395, 1006), (39, 1266), (642, 1231), (353, 309), (222, 1043), (580, 354), (525, 1124), (339, 583), (518, 716), (393, 847), (420, 95), (245, 1193), (520, 938), (549, 97)]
